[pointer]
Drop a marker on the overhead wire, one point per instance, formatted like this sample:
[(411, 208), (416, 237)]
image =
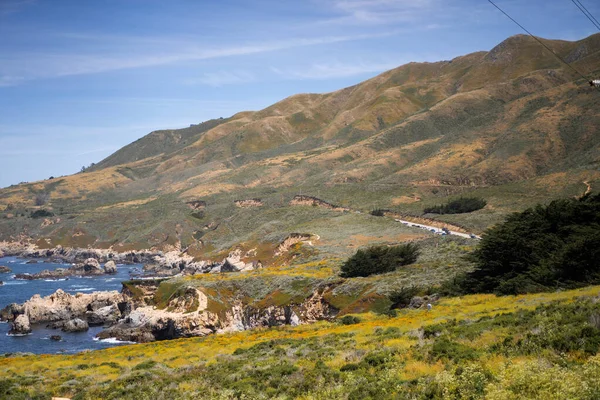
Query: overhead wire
[(587, 13), (545, 46)]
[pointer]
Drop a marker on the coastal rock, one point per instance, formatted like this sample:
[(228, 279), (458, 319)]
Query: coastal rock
[(20, 326), (110, 267), (11, 311), (91, 266), (61, 306), (75, 325), (1, 254), (56, 338), (4, 269), (105, 315)]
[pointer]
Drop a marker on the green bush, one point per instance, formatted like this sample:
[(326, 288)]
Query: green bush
[(458, 206), (41, 213), (379, 259), (401, 298), (378, 212), (349, 320), (542, 248)]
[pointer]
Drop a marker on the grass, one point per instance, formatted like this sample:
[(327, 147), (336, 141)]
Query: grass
[(470, 346)]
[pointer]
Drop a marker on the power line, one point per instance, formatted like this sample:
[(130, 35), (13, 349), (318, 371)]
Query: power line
[(587, 13), (542, 43)]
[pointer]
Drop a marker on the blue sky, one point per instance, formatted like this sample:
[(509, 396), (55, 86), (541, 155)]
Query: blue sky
[(80, 79)]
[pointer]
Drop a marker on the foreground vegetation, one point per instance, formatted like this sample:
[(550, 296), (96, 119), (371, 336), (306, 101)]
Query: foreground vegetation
[(478, 346)]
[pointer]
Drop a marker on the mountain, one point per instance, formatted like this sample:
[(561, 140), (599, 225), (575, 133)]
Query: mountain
[(512, 125)]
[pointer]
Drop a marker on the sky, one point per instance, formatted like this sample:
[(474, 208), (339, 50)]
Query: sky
[(81, 79)]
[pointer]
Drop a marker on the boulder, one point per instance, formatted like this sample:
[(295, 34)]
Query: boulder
[(110, 267), (4, 269), (75, 325), (20, 325), (56, 338), (11, 311), (91, 266), (105, 315)]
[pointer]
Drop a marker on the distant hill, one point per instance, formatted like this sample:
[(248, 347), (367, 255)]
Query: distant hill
[(511, 125)]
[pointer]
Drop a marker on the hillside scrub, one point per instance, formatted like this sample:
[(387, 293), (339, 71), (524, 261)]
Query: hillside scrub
[(542, 248), (458, 206), (379, 259), (540, 346)]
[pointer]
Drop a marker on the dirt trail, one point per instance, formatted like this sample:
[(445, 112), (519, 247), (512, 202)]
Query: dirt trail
[(589, 188)]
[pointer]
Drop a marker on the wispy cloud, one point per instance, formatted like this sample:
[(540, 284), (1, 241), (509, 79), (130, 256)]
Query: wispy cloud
[(12, 6), (221, 78), (335, 70), (18, 68), (371, 12)]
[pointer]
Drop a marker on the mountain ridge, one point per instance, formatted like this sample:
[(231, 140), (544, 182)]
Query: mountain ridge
[(492, 124)]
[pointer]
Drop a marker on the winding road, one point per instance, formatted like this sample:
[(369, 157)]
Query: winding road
[(433, 229)]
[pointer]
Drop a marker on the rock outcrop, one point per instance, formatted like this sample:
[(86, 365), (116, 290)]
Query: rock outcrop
[(75, 325), (62, 307), (91, 267), (247, 203), (303, 200), (20, 326), (4, 269), (188, 314), (110, 267)]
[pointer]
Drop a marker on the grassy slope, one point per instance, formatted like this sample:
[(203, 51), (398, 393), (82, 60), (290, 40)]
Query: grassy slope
[(506, 352)]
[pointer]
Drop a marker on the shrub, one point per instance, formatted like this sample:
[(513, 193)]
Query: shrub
[(41, 213), (378, 212), (458, 206), (349, 320), (542, 248), (379, 259), (401, 298)]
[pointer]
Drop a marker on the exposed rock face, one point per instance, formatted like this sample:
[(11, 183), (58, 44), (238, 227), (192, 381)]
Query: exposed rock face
[(75, 325), (248, 203), (188, 315), (105, 315), (61, 306), (4, 269), (20, 326), (196, 204), (303, 200), (291, 240), (110, 267)]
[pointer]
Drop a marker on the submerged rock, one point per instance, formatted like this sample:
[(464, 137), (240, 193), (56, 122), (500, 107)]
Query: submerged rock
[(4, 269), (56, 338)]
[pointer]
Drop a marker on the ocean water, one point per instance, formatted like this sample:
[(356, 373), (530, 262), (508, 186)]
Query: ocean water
[(19, 291)]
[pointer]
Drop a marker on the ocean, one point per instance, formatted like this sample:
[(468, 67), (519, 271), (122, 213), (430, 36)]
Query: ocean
[(19, 291)]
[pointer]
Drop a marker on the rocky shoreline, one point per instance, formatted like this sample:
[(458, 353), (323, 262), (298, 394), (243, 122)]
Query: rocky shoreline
[(155, 262), (126, 318)]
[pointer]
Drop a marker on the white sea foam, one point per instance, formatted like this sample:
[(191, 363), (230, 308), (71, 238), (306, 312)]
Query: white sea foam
[(17, 282), (55, 280), (18, 334), (113, 341), (85, 289)]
